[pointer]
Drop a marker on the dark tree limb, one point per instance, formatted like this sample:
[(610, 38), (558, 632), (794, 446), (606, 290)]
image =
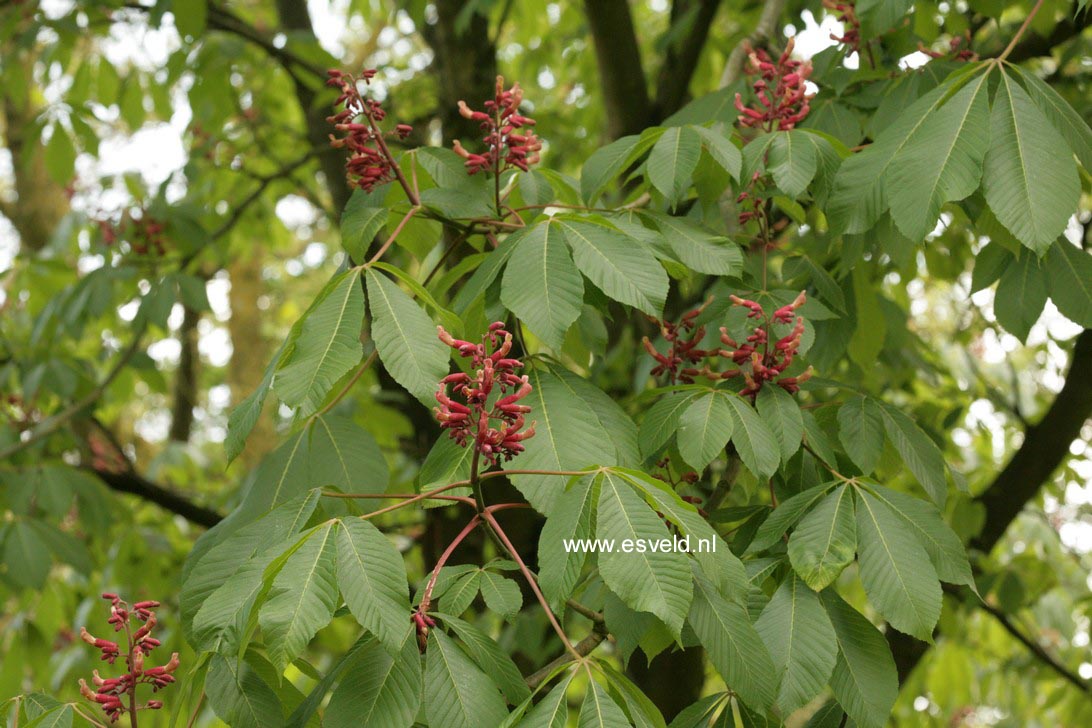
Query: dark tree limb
[(621, 78), (681, 59), (129, 481), (1045, 447), (185, 378)]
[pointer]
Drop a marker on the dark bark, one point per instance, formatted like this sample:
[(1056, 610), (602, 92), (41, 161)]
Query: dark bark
[(465, 66), (621, 77), (681, 59), (672, 681), (129, 481), (185, 378), (1045, 447)]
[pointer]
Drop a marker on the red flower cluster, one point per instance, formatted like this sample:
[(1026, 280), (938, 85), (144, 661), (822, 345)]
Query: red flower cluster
[(752, 200), (780, 89), (471, 419), (139, 643), (766, 364), (369, 163), (680, 350), (502, 142), (956, 51), (846, 13), (144, 233)]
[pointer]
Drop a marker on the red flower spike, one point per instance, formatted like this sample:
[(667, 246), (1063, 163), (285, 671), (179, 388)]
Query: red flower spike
[(504, 148), (471, 419), (680, 350), (368, 165), (780, 90), (758, 362), (111, 691)]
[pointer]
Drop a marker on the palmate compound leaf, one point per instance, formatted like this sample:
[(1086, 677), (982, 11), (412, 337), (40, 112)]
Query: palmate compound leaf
[(785, 516), (1030, 180), (379, 689), (552, 711), (239, 696), (792, 161), (626, 272), (942, 163), (328, 345), (1069, 279), (542, 285), (303, 598), (406, 339), (825, 540), (1021, 294), (781, 412), (661, 422), (672, 162), (921, 454), (801, 642), (491, 658), (865, 681), (647, 580), (642, 712), (895, 569), (372, 578), (860, 430), (457, 693), (755, 442), (1067, 121), (576, 426), (734, 646), (704, 428)]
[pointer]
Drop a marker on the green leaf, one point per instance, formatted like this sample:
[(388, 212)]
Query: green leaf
[(646, 580), (344, 455), (542, 285), (190, 16), (865, 681), (1069, 279), (1021, 295), (868, 337), (599, 711), (552, 711), (372, 577), (380, 689), (458, 597), (626, 272), (360, 223), (1030, 180), (755, 442), (925, 521), (642, 712), (577, 425), (501, 595), (942, 163), (734, 646), (781, 412), (303, 598), (860, 430), (239, 696), (699, 249), (572, 517), (919, 452), (720, 147), (487, 271), (445, 463), (60, 717), (328, 345), (457, 693), (825, 541), (304, 712), (535, 188), (608, 162), (493, 660), (895, 570), (785, 516), (801, 642), (661, 422), (406, 339), (245, 415), (26, 557), (60, 156), (672, 162), (1067, 121), (990, 263), (793, 162), (704, 429)]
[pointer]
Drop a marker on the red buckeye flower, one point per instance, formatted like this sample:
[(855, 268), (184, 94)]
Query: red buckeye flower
[(758, 361), (510, 140), (780, 91), (369, 164), (682, 339), (471, 413)]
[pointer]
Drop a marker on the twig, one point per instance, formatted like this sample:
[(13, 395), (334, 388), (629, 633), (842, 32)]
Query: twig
[(52, 424), (1019, 33), (767, 24)]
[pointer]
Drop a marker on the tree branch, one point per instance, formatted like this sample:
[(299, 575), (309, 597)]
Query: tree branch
[(673, 81), (131, 482), (621, 78), (1035, 46)]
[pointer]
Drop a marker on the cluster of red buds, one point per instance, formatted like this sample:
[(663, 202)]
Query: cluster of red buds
[(760, 362), (370, 163), (753, 204), (783, 100), (111, 691), (846, 14), (471, 419), (957, 51), (510, 140), (682, 347), (143, 232), (422, 623), (688, 478)]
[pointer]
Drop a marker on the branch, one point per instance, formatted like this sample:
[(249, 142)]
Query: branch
[(767, 25), (224, 20), (618, 55), (673, 81), (1035, 46), (129, 481)]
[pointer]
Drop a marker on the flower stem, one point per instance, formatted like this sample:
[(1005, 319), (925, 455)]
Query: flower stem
[(426, 598), (1019, 32)]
